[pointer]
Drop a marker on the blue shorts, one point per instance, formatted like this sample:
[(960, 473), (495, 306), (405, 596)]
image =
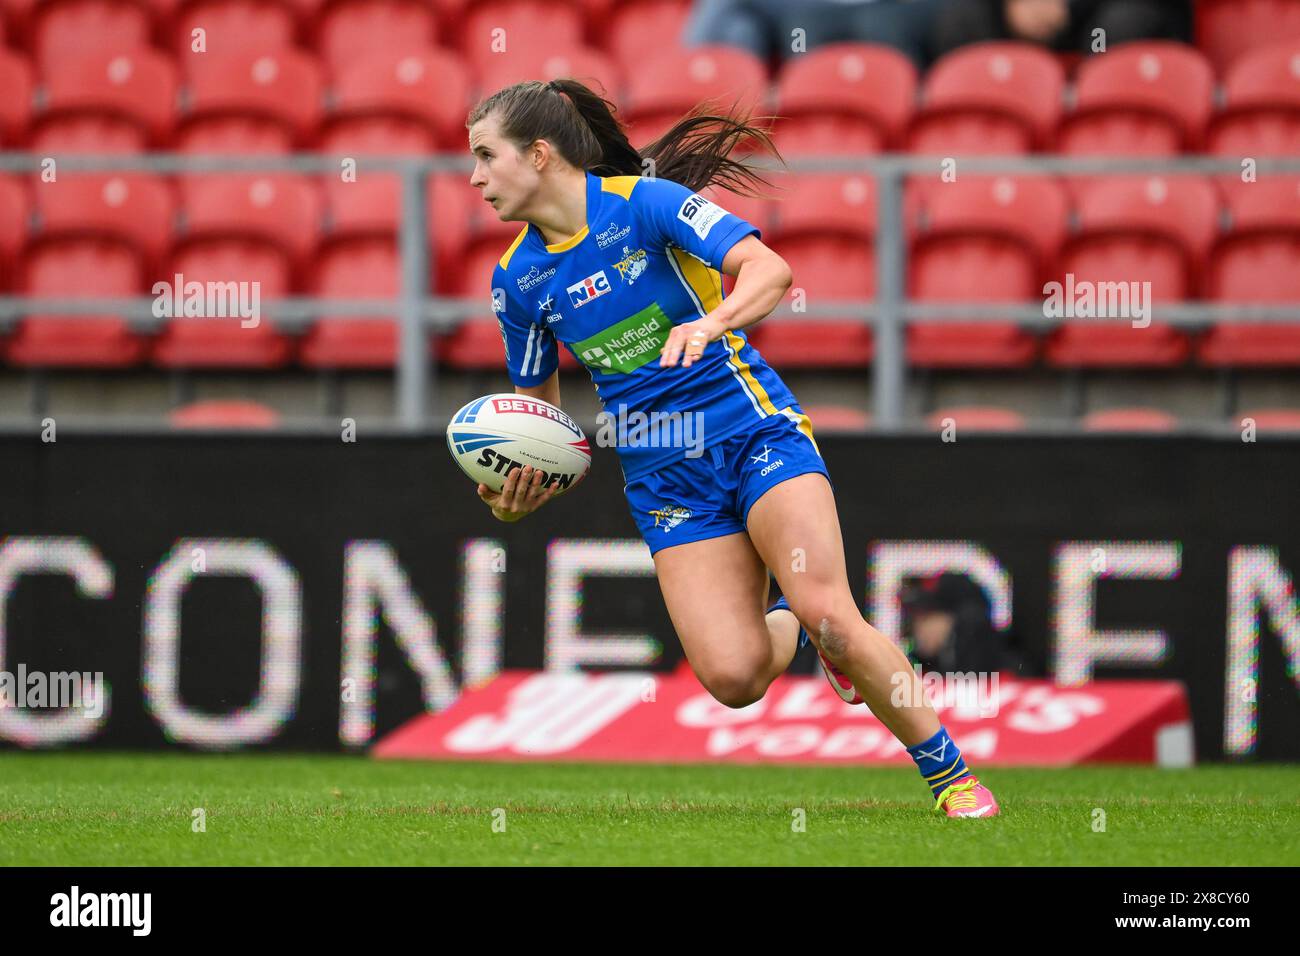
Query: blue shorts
[(709, 496)]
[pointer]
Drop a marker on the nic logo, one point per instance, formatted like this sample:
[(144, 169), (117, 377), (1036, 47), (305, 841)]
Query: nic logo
[(595, 285)]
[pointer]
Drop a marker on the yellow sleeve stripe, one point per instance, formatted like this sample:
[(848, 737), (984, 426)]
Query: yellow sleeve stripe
[(621, 185)]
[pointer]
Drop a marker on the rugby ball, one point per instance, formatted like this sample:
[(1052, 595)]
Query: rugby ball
[(491, 435)]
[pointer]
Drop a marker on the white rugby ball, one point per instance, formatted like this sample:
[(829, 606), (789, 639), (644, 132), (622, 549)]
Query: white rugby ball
[(491, 435)]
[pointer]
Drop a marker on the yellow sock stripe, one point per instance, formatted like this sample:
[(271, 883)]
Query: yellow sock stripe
[(964, 772), (936, 776), (940, 788)]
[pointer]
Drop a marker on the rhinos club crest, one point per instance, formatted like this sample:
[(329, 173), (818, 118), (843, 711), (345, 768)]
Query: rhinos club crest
[(670, 516), (631, 265)]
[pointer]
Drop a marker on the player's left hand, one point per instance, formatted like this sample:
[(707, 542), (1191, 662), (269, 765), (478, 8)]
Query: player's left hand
[(687, 341)]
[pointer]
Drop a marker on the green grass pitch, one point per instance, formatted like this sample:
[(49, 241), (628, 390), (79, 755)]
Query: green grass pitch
[(82, 808)]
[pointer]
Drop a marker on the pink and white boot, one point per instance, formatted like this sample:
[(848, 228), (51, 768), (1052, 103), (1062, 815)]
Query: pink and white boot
[(967, 798)]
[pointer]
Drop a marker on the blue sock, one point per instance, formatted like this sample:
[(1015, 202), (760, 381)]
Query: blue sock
[(939, 761), (782, 603)]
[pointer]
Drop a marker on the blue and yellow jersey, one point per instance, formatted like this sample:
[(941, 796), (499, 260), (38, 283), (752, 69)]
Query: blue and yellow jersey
[(649, 258)]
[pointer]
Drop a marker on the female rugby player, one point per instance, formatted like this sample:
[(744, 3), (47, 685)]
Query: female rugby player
[(619, 259)]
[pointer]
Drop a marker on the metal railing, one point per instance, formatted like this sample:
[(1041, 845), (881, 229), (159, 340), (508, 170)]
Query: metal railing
[(418, 313)]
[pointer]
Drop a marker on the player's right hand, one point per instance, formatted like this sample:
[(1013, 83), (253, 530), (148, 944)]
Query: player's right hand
[(521, 494)]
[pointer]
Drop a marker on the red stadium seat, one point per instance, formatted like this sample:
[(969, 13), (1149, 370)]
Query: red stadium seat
[(1271, 419), (360, 269), (862, 91), (485, 230), (476, 276), (15, 211), (1129, 420), (1135, 229), (352, 30), (97, 236), (16, 107), (134, 209), (825, 268), (668, 84), (589, 66), (1225, 29), (415, 102), (234, 26), (634, 28), (1030, 210), (384, 135), (1181, 209), (755, 210), (390, 108), (72, 28), (983, 418), (539, 27), (598, 11), (1261, 115), (18, 13), (250, 103), (361, 259), (81, 341), (224, 414), (826, 419), (842, 204), (989, 98), (121, 102), (1149, 98), (474, 345), (368, 209), (451, 16), (282, 210), (823, 226), (218, 342), (825, 136), (1258, 261), (239, 229), (986, 239)]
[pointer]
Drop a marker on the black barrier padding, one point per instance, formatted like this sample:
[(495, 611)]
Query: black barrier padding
[(305, 498)]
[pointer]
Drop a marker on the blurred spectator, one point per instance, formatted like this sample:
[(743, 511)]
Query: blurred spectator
[(1065, 25), (766, 27), (926, 29), (948, 620)]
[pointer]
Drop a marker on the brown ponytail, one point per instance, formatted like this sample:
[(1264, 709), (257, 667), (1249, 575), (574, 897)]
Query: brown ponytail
[(582, 127)]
